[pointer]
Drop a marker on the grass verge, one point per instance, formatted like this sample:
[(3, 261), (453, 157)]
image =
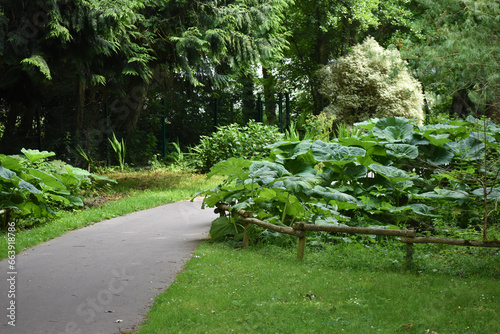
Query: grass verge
[(133, 192), (348, 288)]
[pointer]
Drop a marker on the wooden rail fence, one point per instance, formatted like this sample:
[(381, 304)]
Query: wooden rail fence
[(409, 237)]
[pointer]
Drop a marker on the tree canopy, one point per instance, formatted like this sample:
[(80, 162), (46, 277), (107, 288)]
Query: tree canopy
[(85, 68), (456, 51)]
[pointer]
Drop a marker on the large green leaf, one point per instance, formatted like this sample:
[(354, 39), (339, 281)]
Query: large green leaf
[(46, 178), (301, 184), (34, 155), (290, 150), (222, 228), (367, 125), (300, 167), (334, 152), (331, 194), (231, 167), (354, 172), (436, 155), (6, 174), (264, 194), (442, 129), (364, 142), (68, 180), (492, 193), (28, 186), (438, 140), (468, 148), (59, 198), (265, 172), (75, 201), (399, 151), (391, 173), (393, 129), (266, 167), (10, 163), (446, 194), (422, 209)]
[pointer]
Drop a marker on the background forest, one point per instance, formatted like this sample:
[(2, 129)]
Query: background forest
[(73, 72)]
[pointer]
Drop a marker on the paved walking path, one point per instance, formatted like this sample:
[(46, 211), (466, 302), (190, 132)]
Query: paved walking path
[(102, 278)]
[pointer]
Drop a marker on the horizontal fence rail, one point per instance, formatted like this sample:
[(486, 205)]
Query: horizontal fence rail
[(409, 237)]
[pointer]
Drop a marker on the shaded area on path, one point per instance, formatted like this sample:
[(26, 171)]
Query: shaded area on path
[(102, 278)]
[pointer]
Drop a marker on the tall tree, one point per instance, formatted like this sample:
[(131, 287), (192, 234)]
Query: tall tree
[(321, 30), (456, 51), (57, 50), (99, 50)]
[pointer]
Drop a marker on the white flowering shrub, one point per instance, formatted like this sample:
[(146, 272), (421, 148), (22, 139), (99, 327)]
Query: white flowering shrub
[(371, 82)]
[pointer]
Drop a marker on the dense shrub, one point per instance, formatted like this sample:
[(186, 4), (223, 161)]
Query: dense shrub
[(371, 82), (237, 141), (33, 186)]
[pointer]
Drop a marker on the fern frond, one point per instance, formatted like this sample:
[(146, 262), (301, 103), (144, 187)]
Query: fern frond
[(37, 61)]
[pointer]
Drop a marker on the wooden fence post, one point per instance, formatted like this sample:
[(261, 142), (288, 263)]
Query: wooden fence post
[(409, 254), (302, 240), (246, 237)]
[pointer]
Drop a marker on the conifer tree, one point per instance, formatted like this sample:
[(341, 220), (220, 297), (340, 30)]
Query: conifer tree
[(455, 49)]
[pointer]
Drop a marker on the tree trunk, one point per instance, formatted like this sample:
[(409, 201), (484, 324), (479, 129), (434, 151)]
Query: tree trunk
[(80, 106), (269, 96), (248, 99), (462, 106)]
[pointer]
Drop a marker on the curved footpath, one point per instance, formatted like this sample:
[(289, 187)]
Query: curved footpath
[(102, 278)]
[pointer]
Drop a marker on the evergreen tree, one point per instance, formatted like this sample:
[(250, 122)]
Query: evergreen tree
[(456, 51)]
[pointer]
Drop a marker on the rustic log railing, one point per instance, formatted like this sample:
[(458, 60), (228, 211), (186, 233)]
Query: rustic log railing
[(409, 237)]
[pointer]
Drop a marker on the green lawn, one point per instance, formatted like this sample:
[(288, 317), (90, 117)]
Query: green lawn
[(336, 289)]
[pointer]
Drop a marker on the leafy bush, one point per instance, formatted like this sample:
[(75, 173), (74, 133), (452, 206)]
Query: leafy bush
[(32, 186), (233, 140), (371, 82), (395, 173)]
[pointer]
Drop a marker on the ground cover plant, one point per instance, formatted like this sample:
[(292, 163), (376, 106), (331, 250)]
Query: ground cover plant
[(441, 179), (133, 191), (342, 288), (32, 186)]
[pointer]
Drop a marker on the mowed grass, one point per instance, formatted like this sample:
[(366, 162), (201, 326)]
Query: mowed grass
[(348, 288), (134, 191)]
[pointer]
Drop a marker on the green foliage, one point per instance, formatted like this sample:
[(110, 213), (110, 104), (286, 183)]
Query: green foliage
[(371, 82), (120, 150), (32, 186), (322, 30), (318, 127), (249, 141), (205, 37), (452, 49), (38, 62), (395, 173)]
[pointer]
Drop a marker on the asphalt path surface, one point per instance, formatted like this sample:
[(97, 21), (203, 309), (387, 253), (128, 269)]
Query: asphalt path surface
[(102, 278)]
